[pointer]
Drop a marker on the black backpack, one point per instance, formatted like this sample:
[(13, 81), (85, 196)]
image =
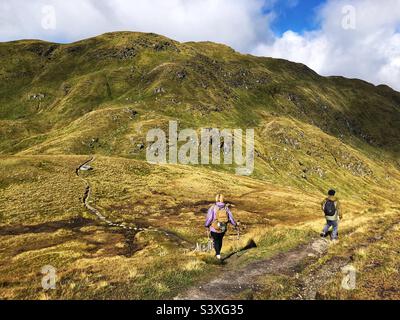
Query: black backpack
[(329, 208)]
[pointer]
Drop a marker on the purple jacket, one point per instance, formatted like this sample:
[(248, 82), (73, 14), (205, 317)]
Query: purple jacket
[(211, 216)]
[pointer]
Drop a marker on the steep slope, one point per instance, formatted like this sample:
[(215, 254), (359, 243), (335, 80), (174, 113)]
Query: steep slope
[(95, 95)]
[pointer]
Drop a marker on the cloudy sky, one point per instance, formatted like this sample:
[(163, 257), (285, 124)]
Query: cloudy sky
[(353, 38)]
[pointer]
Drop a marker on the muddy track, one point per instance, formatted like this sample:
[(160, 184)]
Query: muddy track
[(233, 282), (129, 231)]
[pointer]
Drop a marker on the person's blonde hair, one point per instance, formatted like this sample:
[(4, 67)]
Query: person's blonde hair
[(219, 198)]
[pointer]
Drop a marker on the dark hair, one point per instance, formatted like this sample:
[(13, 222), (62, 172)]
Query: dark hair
[(331, 192)]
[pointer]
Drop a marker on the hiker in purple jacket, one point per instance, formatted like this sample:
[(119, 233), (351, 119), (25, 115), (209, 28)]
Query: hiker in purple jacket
[(218, 217)]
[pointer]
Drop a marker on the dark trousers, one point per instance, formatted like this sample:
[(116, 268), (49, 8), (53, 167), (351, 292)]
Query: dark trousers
[(217, 237)]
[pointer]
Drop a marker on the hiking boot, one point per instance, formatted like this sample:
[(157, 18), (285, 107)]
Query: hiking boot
[(218, 256), (323, 235)]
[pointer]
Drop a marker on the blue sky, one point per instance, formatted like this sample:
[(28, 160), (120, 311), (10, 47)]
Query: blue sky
[(295, 15)]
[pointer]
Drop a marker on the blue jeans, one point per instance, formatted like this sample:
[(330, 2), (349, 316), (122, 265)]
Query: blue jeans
[(334, 225)]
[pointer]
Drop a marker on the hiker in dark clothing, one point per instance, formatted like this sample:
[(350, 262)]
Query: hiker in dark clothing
[(218, 217), (331, 208)]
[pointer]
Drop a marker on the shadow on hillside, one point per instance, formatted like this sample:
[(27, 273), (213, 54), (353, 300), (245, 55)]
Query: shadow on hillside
[(250, 245), (46, 227)]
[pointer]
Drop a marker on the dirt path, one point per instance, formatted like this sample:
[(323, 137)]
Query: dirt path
[(90, 208), (233, 282), (130, 230), (322, 275)]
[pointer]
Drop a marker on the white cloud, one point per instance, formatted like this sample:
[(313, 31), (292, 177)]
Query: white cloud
[(238, 23), (371, 51), (294, 47)]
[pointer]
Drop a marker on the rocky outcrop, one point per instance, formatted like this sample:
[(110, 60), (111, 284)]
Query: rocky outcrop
[(37, 96)]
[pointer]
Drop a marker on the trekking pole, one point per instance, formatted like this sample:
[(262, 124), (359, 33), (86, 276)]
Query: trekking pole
[(210, 241)]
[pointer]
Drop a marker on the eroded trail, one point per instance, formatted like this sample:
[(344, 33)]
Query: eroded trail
[(234, 282), (131, 230), (90, 208), (319, 277)]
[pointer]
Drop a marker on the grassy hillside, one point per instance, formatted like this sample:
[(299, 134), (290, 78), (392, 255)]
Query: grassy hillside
[(61, 103)]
